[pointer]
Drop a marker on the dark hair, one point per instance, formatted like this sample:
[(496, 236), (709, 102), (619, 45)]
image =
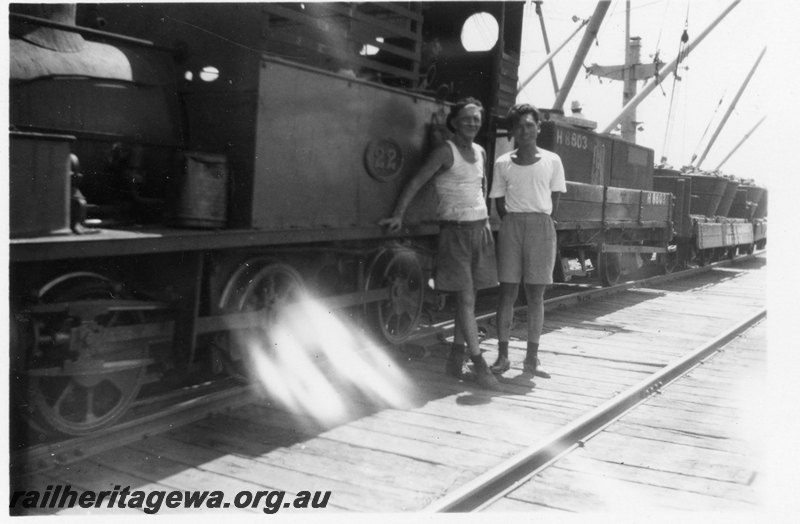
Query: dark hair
[(517, 111), (461, 104)]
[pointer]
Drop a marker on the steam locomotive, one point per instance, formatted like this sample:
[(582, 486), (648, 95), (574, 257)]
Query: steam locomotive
[(179, 172)]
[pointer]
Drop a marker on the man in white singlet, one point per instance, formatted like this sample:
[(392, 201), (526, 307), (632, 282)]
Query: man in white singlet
[(466, 253)]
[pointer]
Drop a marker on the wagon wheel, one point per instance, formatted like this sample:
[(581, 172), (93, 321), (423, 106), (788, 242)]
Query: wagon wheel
[(670, 261), (398, 316), (704, 257), (258, 285), (610, 268), (71, 393)]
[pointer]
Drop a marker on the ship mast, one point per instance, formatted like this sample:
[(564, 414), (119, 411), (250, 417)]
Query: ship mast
[(636, 100), (629, 73)]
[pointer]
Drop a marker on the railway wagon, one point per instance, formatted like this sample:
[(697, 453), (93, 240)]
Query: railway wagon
[(610, 221), (181, 172), (715, 216)]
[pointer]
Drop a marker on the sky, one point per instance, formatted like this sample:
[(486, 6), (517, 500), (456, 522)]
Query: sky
[(713, 71)]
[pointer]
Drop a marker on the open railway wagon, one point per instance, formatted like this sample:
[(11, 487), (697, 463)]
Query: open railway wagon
[(611, 221), (715, 217), (179, 172)]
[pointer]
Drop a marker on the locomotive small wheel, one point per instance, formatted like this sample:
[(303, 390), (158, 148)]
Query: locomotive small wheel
[(610, 268), (398, 316), (264, 286), (77, 397)]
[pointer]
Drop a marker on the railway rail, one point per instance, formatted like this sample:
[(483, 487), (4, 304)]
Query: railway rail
[(157, 414), (507, 476)]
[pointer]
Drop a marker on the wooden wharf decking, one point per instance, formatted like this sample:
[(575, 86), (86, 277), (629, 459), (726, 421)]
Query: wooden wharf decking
[(697, 446), (448, 432)]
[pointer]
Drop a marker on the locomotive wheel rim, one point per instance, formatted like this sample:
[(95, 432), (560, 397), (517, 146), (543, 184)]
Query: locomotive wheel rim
[(265, 286), (398, 317), (79, 404), (271, 289)]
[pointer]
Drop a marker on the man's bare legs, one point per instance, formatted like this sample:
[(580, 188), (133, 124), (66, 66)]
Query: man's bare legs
[(505, 313), (466, 331)]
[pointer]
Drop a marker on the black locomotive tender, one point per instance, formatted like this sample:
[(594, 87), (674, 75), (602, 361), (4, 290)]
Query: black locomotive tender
[(178, 171)]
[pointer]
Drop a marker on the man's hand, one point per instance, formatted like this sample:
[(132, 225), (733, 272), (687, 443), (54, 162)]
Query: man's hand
[(393, 224)]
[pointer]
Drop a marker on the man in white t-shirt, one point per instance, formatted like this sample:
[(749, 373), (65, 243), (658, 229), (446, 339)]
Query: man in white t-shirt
[(527, 184)]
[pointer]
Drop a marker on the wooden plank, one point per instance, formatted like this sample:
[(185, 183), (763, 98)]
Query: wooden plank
[(677, 458), (153, 466), (411, 14), (371, 20), (705, 437), (588, 492), (89, 475), (726, 491), (251, 468)]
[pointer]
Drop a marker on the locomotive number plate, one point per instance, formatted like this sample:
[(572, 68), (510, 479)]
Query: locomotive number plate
[(383, 159)]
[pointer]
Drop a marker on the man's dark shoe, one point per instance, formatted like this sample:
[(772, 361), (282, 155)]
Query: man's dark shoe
[(457, 369), (532, 367), (484, 376), (501, 365), (455, 366)]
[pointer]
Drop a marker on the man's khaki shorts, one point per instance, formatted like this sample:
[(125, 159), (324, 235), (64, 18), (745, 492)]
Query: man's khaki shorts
[(527, 248), (466, 256)]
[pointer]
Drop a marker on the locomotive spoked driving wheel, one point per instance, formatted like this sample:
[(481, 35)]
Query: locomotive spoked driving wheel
[(400, 272), (258, 285), (75, 384)]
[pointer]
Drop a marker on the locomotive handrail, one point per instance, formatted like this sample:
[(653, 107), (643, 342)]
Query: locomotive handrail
[(88, 31)]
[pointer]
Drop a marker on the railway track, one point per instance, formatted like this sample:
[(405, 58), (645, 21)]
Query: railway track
[(497, 482), (162, 413)]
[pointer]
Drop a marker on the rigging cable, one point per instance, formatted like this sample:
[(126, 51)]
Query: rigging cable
[(708, 126), (675, 80), (656, 56)]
